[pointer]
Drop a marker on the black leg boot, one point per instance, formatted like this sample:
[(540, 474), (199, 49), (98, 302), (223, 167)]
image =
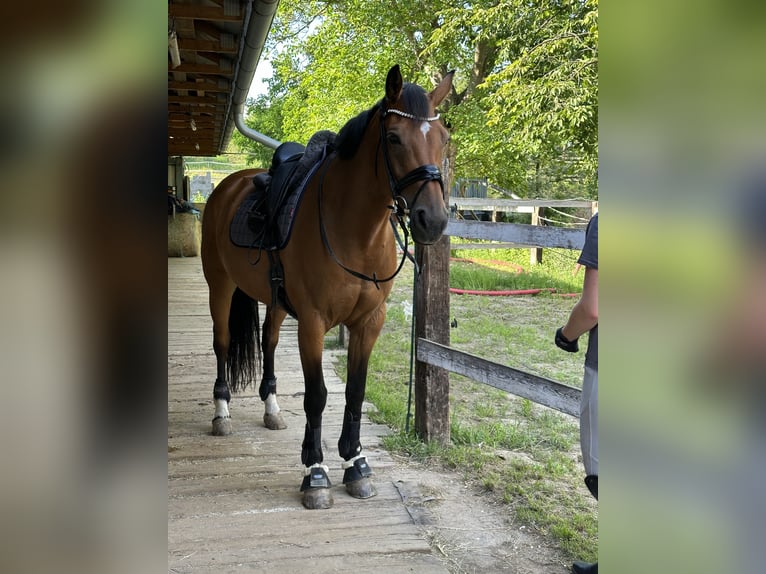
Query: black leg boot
[(585, 568), (591, 481)]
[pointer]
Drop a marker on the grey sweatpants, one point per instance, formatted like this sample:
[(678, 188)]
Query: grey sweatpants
[(589, 421)]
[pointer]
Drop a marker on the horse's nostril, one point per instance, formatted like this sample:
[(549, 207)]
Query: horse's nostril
[(420, 217)]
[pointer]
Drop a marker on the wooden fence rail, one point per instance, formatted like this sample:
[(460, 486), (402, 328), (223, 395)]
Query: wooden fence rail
[(507, 238), (518, 234), (514, 205), (538, 389), (435, 359)]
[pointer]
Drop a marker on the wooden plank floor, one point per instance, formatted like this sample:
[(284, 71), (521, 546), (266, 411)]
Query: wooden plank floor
[(233, 502)]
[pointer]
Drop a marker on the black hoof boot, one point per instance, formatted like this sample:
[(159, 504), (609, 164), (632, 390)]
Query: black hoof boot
[(316, 489), (585, 568), (357, 479)]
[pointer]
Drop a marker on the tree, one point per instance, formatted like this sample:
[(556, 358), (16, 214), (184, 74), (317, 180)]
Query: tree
[(523, 111)]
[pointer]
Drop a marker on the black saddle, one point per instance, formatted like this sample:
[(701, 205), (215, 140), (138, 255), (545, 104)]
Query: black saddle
[(264, 220), (283, 167)]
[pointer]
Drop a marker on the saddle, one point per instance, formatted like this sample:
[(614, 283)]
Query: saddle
[(265, 218)]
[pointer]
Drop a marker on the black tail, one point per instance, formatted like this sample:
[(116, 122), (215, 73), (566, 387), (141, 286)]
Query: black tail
[(242, 362)]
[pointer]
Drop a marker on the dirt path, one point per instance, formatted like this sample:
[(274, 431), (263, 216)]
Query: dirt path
[(468, 530)]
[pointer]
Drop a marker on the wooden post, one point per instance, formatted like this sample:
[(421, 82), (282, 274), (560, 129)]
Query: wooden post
[(432, 421), (535, 253), (342, 341)]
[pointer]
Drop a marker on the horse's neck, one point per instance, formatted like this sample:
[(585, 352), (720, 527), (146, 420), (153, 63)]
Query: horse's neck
[(362, 196)]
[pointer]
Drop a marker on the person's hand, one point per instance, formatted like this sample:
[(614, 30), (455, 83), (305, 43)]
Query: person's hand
[(563, 343)]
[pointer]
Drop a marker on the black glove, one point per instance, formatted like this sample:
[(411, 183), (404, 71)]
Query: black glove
[(563, 343)]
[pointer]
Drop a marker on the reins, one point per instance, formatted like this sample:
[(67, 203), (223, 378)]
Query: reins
[(323, 232), (401, 209)]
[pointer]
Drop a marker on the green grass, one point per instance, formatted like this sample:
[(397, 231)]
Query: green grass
[(523, 454), (509, 269)]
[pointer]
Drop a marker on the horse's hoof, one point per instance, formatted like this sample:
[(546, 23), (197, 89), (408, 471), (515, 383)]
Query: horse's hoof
[(274, 422), (362, 488), (317, 498), (222, 426)]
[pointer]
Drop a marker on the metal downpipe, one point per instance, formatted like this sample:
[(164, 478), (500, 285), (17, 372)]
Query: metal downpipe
[(259, 17)]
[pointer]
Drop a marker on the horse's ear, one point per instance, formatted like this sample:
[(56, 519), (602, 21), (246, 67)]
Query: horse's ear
[(393, 85), (442, 90)]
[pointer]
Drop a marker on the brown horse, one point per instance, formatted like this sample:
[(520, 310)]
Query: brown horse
[(337, 267)]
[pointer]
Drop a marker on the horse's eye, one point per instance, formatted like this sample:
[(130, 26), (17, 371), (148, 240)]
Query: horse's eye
[(393, 139)]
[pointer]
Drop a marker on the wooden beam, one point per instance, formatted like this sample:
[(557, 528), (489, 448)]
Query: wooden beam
[(489, 203), (537, 389), (466, 246), (201, 125), (195, 137), (176, 114), (206, 46), (205, 86), (206, 150), (182, 127), (207, 101), (226, 71), (527, 235), (196, 12)]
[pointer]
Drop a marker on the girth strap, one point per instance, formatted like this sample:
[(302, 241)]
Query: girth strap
[(278, 292)]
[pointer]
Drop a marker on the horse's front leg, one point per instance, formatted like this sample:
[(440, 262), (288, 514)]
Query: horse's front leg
[(316, 484), (272, 418), (357, 471)]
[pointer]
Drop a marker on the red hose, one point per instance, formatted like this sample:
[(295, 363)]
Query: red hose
[(507, 293), (499, 293)]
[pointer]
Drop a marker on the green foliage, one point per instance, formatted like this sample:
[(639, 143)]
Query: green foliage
[(523, 111)]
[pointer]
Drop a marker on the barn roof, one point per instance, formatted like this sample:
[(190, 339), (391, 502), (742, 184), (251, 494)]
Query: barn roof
[(219, 43)]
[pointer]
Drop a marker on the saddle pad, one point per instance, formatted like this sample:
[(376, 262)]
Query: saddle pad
[(243, 235)]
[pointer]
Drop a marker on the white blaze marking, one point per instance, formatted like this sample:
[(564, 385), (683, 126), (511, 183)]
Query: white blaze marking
[(425, 127)]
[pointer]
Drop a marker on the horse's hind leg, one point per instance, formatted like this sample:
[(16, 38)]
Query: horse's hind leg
[(220, 306), (357, 472), (272, 418)]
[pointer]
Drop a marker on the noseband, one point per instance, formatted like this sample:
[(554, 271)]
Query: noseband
[(425, 173)]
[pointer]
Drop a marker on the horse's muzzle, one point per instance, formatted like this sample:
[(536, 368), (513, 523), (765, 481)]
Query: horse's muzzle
[(427, 223), (428, 214)]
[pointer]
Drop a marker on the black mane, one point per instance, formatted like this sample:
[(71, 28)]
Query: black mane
[(351, 134), (415, 102)]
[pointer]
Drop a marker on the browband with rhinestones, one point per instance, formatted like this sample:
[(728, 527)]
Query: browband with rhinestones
[(410, 116)]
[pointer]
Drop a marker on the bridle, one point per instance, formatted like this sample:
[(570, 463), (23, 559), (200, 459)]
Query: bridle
[(400, 208), (424, 173)]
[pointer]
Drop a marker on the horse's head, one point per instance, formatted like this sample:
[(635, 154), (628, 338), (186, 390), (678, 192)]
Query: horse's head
[(413, 141)]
